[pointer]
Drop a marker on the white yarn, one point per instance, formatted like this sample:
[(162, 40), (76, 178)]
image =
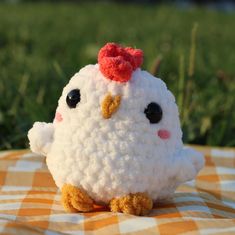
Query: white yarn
[(114, 157), (41, 137)]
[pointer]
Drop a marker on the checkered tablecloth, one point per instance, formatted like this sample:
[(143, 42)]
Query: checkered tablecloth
[(30, 202)]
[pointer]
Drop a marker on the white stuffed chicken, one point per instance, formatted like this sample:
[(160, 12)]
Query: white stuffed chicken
[(116, 137)]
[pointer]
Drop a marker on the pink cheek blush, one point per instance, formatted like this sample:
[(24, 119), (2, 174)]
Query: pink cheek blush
[(164, 134), (58, 117)]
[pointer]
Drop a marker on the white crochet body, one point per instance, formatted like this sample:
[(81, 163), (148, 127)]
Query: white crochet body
[(113, 157)]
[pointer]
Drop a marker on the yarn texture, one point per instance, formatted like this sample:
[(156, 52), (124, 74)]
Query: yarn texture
[(118, 63), (110, 105), (107, 148)]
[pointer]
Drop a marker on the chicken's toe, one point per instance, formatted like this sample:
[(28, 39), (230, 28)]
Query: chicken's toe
[(75, 199), (135, 204)]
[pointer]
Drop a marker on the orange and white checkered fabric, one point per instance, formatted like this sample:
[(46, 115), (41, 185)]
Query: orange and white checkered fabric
[(30, 202)]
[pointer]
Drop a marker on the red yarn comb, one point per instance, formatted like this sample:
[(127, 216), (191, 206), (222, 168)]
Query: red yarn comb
[(117, 63)]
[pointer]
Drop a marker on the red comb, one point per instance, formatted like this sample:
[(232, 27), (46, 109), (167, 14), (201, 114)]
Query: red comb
[(117, 63)]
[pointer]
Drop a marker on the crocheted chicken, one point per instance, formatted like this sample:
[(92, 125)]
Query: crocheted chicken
[(116, 137)]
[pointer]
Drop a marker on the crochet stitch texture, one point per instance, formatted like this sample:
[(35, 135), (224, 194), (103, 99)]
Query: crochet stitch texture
[(124, 153)]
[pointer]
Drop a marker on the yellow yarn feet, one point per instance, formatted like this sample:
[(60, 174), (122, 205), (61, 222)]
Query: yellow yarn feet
[(135, 204), (75, 199)]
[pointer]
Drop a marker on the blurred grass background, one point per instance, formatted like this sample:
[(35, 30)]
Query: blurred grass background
[(43, 45)]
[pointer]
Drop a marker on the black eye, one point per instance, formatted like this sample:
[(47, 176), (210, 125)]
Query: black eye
[(153, 112), (73, 98)]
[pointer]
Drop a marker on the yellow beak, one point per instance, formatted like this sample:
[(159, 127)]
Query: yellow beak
[(110, 105)]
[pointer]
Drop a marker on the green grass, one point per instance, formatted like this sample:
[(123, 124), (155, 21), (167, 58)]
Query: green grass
[(42, 46)]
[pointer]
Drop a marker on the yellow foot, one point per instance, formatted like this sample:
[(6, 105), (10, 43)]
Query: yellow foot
[(75, 199), (135, 204)]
